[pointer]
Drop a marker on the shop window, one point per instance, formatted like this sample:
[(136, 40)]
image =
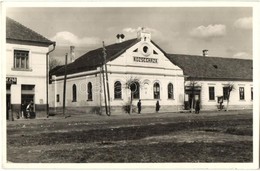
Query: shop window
[(21, 59), (89, 91), (170, 91), (74, 93), (57, 98), (252, 94), (156, 91), (225, 93), (241, 93), (211, 93), (135, 90), (117, 90)]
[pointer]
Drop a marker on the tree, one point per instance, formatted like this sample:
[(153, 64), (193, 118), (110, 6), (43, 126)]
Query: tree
[(132, 84), (53, 63), (230, 87), (193, 85)]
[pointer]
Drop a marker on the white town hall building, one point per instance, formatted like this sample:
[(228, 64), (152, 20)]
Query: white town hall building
[(160, 77)]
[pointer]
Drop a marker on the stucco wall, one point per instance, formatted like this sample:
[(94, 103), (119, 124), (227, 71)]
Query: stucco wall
[(35, 75)]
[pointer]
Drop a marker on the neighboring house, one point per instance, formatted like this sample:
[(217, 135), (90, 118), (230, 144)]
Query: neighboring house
[(212, 75), (26, 53), (162, 76)]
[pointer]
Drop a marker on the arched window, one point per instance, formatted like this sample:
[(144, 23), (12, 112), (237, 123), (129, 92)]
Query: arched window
[(89, 91), (135, 90), (117, 90), (156, 91), (170, 91), (74, 93)]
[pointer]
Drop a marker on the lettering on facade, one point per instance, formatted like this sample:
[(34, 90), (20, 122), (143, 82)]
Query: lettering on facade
[(145, 60), (11, 80)]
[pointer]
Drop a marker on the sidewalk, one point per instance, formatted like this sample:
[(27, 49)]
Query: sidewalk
[(94, 117)]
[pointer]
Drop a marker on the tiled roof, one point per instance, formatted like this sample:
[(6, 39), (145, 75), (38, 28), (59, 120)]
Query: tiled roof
[(194, 67), (210, 68), (18, 32), (92, 59)]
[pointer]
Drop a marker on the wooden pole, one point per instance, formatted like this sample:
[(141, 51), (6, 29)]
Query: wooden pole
[(108, 94), (104, 85), (64, 85), (100, 90)]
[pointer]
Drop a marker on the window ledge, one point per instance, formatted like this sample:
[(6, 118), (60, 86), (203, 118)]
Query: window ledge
[(74, 101), (118, 99), (211, 100), (89, 100), (171, 99), (21, 69)]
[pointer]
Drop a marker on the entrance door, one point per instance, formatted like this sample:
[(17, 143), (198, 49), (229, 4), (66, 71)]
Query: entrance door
[(193, 100), (27, 98)]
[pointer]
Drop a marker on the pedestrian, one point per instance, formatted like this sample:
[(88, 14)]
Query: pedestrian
[(23, 110), (29, 109), (157, 106), (197, 107), (139, 106)]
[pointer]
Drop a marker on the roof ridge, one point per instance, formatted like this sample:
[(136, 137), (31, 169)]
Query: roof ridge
[(219, 57)]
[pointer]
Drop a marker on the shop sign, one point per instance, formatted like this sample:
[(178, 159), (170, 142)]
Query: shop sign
[(196, 88), (145, 60), (11, 80)]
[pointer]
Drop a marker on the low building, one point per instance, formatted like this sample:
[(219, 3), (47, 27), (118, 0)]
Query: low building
[(208, 78), (156, 76), (26, 53)]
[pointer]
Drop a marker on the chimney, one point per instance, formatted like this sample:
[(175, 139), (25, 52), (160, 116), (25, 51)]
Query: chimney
[(205, 52), (72, 53), (120, 38)]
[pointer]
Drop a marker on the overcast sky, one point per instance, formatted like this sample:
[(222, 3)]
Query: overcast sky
[(224, 31)]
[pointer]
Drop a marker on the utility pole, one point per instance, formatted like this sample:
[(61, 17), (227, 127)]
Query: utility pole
[(104, 85), (64, 85), (108, 94), (100, 89)]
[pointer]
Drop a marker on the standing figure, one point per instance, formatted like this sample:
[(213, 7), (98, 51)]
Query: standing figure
[(29, 110), (197, 107), (23, 110), (157, 106), (139, 106)]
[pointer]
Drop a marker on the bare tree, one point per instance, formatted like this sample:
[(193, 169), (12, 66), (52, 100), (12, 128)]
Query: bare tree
[(230, 87), (53, 63), (132, 84), (193, 84)]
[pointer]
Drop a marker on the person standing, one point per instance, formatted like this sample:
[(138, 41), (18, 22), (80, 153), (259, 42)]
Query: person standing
[(23, 110), (157, 106), (139, 106), (197, 107), (29, 109)]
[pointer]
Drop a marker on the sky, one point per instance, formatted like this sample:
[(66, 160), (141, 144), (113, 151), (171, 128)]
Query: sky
[(224, 31)]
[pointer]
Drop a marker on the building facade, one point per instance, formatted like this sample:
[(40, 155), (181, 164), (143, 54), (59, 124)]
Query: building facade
[(136, 59), (154, 74), (25, 68)]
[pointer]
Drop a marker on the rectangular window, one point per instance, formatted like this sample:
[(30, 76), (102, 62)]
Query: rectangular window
[(211, 93), (252, 94), (225, 93), (21, 59), (241, 93), (57, 98)]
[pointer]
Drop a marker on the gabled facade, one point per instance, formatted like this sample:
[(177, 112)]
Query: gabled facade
[(25, 68), (159, 79)]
